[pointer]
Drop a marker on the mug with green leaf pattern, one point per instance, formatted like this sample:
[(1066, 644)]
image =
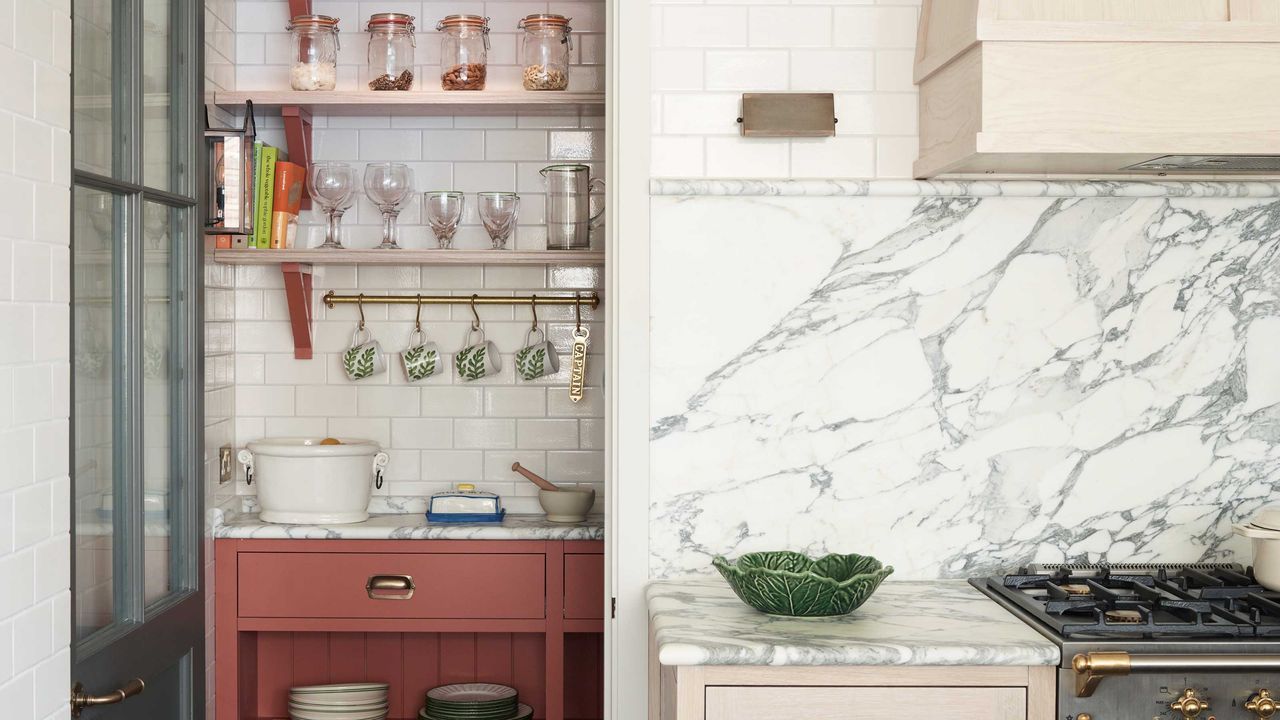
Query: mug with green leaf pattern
[(537, 359), (364, 358), (479, 359), (421, 358)]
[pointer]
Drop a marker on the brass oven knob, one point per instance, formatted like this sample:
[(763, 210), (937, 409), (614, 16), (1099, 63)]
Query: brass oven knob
[(1189, 705), (1262, 705)]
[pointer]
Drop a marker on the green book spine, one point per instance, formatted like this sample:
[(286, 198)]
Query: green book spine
[(255, 194), (262, 231)]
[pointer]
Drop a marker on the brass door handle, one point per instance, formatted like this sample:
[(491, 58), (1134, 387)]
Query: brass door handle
[(81, 699), (390, 587)]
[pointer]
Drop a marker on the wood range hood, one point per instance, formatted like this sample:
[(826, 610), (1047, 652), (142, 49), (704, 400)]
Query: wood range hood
[(1099, 88)]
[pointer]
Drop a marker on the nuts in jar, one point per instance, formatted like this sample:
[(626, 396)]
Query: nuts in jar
[(545, 48), (470, 76), (464, 52), (542, 77)]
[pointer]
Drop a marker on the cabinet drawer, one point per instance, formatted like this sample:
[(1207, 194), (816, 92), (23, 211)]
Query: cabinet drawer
[(584, 587), (864, 703), (332, 585)]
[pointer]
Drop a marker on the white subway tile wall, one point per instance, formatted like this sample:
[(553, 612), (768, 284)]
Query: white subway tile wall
[(706, 53), (443, 430), (35, 486)]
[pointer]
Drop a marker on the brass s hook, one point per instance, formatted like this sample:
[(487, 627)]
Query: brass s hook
[(475, 325), (360, 305), (533, 305), (577, 307), (417, 318)]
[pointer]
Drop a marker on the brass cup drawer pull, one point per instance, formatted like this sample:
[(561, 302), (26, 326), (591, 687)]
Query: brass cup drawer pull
[(390, 587), (81, 699)]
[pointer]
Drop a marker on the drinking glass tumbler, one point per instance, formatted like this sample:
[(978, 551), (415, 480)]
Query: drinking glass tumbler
[(388, 185), (444, 212), (498, 212), (333, 187)]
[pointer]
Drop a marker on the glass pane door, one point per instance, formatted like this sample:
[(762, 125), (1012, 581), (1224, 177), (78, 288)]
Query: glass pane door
[(98, 230), (137, 602)]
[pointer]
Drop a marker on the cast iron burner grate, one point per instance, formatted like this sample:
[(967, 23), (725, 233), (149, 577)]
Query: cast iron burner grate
[(1144, 601)]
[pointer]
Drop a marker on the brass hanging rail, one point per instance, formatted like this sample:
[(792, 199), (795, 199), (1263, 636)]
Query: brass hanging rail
[(591, 300)]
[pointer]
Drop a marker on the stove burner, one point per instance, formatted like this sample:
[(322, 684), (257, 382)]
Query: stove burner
[(1144, 601), (1123, 616)]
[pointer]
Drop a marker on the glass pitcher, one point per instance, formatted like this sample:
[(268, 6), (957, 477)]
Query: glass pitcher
[(569, 216)]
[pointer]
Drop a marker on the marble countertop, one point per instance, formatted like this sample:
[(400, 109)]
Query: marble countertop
[(402, 526), (699, 621)]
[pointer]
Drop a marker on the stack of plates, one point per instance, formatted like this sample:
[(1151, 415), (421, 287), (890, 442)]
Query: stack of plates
[(474, 701), (356, 701)]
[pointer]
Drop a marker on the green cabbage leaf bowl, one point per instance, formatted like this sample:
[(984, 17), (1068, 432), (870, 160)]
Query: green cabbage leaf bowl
[(794, 585)]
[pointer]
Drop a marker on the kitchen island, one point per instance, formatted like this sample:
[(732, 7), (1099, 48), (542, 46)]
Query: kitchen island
[(913, 648)]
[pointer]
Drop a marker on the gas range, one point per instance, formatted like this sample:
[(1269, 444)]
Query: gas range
[(1158, 641)]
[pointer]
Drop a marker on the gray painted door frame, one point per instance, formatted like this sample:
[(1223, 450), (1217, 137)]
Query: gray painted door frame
[(147, 236)]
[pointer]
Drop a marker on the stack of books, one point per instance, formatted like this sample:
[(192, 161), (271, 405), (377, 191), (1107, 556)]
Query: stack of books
[(275, 201)]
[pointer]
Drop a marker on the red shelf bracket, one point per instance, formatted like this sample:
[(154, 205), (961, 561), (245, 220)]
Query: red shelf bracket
[(299, 7), (297, 135), (297, 291)]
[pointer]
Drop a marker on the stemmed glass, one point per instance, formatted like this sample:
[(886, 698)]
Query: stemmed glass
[(333, 187), (444, 212), (498, 212), (388, 185)]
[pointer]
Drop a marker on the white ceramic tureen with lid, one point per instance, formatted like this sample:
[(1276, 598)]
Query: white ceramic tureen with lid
[(314, 481)]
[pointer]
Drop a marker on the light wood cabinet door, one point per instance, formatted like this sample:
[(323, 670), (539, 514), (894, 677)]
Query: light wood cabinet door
[(865, 703)]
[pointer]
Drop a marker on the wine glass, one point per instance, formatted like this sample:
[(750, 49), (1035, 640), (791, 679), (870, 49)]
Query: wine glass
[(444, 212), (333, 187), (387, 185), (498, 212)]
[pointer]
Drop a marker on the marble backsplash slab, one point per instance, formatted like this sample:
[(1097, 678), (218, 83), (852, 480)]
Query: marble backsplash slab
[(958, 384)]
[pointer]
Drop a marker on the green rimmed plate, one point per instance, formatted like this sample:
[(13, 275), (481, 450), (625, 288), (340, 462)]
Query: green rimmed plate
[(794, 585), (523, 712)]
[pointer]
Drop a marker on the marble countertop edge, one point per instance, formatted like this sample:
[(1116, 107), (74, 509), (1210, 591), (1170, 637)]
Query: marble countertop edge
[(404, 526), (699, 621)]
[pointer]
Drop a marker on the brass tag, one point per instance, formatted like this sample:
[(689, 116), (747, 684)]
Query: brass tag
[(578, 371)]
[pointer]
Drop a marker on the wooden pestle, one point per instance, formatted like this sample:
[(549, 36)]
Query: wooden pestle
[(534, 477)]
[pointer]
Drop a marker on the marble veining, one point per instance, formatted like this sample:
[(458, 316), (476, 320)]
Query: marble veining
[(397, 526), (960, 188), (699, 621), (960, 385)]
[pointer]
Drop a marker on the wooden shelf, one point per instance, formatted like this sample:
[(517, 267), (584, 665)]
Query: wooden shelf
[(421, 102), (314, 256)]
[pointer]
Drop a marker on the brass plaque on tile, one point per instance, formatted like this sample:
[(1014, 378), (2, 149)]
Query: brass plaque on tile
[(788, 115)]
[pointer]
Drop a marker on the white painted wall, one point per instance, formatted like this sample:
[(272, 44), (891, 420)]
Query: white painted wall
[(707, 53), (35, 175)]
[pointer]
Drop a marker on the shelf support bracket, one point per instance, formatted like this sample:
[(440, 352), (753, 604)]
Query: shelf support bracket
[(299, 7), (297, 291), (297, 135)]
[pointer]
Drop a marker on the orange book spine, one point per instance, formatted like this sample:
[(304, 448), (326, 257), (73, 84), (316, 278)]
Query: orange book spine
[(288, 190)]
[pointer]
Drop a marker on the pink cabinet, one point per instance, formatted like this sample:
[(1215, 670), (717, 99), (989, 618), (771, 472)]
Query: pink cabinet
[(413, 613)]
